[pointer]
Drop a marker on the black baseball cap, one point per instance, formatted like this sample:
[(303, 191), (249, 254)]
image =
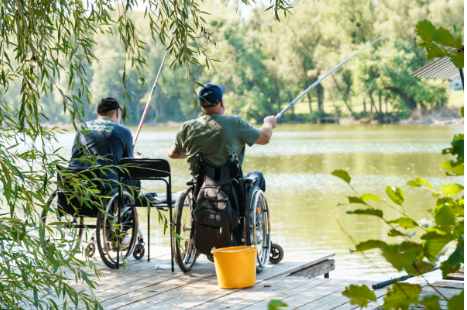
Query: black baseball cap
[(210, 95), (107, 104)]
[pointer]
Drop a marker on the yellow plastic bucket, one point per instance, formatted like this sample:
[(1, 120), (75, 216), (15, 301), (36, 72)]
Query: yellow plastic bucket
[(235, 266)]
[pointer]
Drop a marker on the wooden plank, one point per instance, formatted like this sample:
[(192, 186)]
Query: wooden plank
[(239, 296), (449, 284), (459, 275), (142, 286), (302, 296), (229, 297), (316, 270)]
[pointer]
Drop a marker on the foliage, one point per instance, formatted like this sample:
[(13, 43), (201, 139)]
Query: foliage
[(261, 75), (411, 255), (359, 295), (276, 304), (47, 64), (439, 42)]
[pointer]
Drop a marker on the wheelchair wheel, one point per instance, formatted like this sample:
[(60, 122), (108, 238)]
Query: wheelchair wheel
[(184, 250), (257, 227), (277, 254), (139, 251), (68, 235), (109, 236)]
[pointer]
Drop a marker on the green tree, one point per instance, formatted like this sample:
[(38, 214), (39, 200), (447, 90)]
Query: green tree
[(48, 49)]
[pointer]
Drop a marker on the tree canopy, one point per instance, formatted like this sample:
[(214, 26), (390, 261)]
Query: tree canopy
[(265, 63)]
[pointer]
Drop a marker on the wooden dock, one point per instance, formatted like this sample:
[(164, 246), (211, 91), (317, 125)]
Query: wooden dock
[(143, 286)]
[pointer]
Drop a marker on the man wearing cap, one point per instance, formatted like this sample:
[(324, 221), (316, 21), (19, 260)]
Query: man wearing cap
[(217, 135), (104, 138)]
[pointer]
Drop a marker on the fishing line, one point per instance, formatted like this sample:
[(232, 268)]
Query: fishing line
[(364, 95), (153, 89), (306, 91)]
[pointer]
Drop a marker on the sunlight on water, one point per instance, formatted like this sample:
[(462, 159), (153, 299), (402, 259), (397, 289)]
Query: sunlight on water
[(303, 199)]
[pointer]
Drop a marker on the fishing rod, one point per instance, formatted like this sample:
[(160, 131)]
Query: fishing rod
[(152, 91), (400, 279), (279, 115)]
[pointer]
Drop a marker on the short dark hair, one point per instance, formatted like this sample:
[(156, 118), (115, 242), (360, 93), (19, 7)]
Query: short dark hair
[(106, 105), (108, 113)]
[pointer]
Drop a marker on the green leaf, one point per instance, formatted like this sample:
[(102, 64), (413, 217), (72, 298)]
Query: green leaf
[(359, 295), (451, 189), (445, 38), (444, 216), (430, 302), (434, 246), (454, 261), (402, 296), (374, 212), (342, 174), (370, 197), (425, 29), (435, 51), (356, 200), (418, 182), (419, 267), (405, 222), (457, 59), (453, 166), (396, 194), (456, 302), (369, 245), (276, 304)]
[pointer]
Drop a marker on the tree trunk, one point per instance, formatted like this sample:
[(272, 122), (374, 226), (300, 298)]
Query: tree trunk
[(372, 103), (293, 108), (320, 91), (386, 99), (380, 103), (364, 106), (309, 102), (277, 96)]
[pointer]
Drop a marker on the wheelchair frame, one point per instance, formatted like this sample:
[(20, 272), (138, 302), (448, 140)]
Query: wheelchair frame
[(253, 195), (159, 169)]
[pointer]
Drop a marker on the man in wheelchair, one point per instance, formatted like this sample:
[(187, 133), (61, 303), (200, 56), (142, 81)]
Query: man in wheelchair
[(225, 207), (107, 140), (216, 135)]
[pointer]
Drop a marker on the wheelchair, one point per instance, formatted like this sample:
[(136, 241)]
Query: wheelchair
[(75, 210), (256, 221)]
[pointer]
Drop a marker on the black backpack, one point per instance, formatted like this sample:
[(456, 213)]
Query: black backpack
[(216, 214)]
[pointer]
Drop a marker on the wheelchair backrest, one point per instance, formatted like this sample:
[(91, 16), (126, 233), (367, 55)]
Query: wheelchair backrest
[(233, 171)]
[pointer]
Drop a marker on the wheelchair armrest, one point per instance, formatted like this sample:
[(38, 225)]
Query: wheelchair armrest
[(190, 182), (251, 179)]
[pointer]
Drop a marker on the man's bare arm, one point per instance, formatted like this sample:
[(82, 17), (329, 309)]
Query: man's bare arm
[(266, 130), (173, 155)]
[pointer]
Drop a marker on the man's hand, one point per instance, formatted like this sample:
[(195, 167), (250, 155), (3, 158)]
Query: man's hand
[(173, 155), (271, 120), (266, 130)]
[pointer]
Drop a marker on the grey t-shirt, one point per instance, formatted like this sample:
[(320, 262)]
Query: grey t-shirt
[(216, 136)]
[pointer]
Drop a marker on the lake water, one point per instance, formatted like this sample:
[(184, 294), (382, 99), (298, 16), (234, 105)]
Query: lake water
[(303, 195)]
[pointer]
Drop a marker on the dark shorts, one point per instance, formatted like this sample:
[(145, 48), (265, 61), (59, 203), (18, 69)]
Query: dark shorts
[(261, 181)]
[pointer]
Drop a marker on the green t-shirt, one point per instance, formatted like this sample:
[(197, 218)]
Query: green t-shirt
[(216, 136)]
